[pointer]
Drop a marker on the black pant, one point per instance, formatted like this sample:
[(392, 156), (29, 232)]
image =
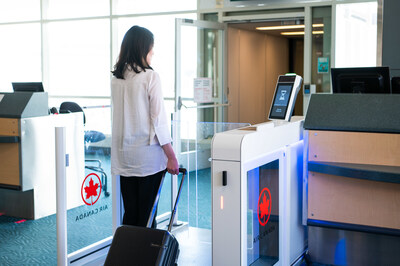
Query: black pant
[(138, 194)]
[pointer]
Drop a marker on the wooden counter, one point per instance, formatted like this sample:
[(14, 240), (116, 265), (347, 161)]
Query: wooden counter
[(354, 178), (9, 153)]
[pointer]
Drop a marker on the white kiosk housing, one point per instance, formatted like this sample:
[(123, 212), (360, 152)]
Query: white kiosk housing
[(257, 175)]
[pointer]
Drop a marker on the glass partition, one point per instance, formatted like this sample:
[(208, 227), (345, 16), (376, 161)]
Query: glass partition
[(194, 154), (90, 221), (263, 214)]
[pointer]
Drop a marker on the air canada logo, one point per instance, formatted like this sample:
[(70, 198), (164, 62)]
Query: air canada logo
[(91, 189), (264, 206)]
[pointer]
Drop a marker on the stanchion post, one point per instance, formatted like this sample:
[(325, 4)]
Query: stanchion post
[(61, 198)]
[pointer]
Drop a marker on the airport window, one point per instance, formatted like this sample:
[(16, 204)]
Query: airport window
[(20, 54), (163, 28), (356, 34), (64, 34), (78, 58), (19, 10), (56, 9), (152, 6)]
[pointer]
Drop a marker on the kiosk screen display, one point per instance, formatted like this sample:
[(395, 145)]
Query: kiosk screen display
[(281, 101)]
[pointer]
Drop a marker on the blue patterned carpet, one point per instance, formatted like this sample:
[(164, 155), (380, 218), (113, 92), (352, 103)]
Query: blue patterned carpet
[(33, 242)]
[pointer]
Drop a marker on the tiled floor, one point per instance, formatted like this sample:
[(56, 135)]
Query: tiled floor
[(33, 242), (195, 246)]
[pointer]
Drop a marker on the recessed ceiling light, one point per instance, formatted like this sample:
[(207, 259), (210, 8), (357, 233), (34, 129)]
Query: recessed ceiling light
[(301, 32), (288, 27), (293, 33)]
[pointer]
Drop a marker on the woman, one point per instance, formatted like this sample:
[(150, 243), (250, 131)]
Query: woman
[(141, 143)]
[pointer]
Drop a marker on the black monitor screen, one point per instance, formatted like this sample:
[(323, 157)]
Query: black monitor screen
[(395, 85), (281, 100), (361, 80), (27, 86)]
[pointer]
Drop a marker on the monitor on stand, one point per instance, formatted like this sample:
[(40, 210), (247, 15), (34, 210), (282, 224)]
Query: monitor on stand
[(361, 80), (27, 86)]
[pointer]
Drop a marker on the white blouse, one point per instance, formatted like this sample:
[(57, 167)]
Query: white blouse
[(139, 124)]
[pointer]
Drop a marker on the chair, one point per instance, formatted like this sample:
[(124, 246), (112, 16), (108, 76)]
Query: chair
[(91, 136)]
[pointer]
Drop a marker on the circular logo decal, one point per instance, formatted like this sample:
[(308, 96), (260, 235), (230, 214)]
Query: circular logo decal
[(91, 189), (264, 206)]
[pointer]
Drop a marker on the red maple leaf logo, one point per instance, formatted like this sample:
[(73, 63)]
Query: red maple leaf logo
[(264, 207), (91, 190)]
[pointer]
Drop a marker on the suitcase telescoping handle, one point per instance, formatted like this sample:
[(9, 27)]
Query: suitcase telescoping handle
[(153, 210), (171, 221)]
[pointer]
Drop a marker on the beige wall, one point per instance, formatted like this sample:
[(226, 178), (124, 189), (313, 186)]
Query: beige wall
[(255, 60)]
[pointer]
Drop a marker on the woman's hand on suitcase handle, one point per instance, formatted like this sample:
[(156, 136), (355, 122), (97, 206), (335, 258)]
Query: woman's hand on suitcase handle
[(173, 166)]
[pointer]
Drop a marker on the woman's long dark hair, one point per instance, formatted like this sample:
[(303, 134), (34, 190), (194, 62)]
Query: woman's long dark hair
[(135, 46)]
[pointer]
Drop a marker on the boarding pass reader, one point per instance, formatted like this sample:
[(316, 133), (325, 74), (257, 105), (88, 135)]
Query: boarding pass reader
[(285, 95)]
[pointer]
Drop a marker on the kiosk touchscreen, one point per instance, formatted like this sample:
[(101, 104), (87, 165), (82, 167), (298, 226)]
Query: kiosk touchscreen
[(285, 97)]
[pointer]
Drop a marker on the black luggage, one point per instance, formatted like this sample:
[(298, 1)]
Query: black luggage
[(133, 245)]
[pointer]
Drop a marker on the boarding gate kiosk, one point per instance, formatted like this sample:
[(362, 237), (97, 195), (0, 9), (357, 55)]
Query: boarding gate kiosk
[(257, 174)]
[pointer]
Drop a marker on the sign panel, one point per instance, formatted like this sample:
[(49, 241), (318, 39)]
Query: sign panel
[(202, 90), (323, 65)]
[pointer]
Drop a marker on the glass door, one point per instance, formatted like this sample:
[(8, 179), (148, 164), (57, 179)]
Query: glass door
[(199, 97), (199, 73)]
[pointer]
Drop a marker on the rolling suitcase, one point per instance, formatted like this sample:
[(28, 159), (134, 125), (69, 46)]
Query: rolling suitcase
[(133, 245)]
